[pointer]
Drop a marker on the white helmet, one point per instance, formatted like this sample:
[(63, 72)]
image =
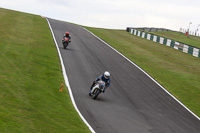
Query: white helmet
[(106, 74)]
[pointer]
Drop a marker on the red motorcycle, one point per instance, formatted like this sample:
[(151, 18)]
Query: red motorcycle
[(66, 42)]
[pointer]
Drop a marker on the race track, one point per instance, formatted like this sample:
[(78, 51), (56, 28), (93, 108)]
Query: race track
[(132, 104)]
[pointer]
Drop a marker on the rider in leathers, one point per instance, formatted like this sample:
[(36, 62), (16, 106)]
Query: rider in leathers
[(67, 35), (104, 77)]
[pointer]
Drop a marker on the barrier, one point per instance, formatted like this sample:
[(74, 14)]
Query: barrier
[(165, 41)]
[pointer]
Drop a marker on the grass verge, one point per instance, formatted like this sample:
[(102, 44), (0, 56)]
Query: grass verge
[(178, 72), (30, 78)]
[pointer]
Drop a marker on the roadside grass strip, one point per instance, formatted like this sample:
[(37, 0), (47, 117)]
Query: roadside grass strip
[(30, 78)]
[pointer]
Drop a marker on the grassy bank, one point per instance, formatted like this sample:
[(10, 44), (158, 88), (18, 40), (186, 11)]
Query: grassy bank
[(178, 72), (30, 78)]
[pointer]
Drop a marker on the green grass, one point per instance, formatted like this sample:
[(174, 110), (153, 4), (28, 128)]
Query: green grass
[(180, 37), (30, 78), (30, 74), (178, 72)]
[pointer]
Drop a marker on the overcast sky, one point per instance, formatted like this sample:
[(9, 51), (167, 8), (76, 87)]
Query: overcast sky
[(115, 14)]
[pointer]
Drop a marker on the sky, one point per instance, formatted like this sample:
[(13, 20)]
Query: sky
[(115, 14)]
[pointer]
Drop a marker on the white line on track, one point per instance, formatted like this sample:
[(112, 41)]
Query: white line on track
[(67, 81), (145, 73)]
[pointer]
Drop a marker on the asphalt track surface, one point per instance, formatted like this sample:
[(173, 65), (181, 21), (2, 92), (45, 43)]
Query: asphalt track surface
[(132, 104)]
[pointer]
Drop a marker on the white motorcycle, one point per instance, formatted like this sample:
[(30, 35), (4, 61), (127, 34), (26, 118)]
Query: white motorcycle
[(97, 89)]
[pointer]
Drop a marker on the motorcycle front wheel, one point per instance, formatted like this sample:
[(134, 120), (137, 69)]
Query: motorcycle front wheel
[(95, 93), (65, 44)]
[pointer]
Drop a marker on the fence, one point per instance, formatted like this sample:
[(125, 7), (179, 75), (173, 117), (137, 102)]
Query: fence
[(168, 42), (150, 29)]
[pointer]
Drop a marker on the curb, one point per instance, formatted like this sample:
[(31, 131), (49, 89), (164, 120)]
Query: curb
[(146, 74), (67, 81)]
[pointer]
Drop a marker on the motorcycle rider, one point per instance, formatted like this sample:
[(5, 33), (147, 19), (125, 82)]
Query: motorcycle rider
[(67, 35), (104, 77)]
